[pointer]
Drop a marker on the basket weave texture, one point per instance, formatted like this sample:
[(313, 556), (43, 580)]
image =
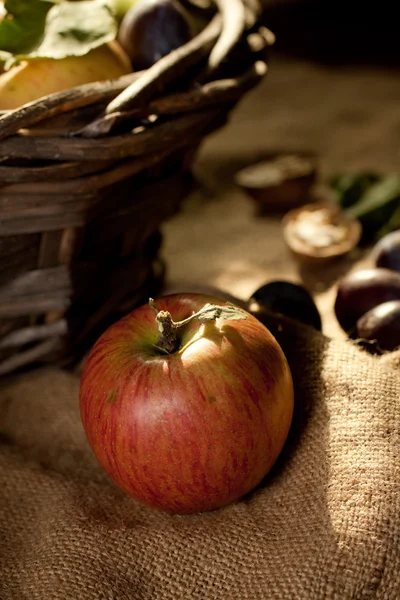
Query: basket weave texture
[(88, 175)]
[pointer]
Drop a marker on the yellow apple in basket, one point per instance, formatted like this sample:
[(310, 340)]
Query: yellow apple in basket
[(121, 7), (34, 79)]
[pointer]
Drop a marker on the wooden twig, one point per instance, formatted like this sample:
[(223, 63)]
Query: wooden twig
[(61, 102), (215, 93), (64, 124), (233, 15), (34, 208), (64, 219), (55, 172), (24, 225), (268, 35), (49, 248), (167, 69), (27, 335), (254, 10), (145, 141), (33, 305), (53, 280), (71, 242), (18, 194), (30, 356)]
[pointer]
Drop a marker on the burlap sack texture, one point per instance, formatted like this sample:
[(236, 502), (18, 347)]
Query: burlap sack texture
[(324, 525)]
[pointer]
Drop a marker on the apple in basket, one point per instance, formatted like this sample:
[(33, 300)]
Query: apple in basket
[(187, 402), (29, 81), (58, 46), (121, 7)]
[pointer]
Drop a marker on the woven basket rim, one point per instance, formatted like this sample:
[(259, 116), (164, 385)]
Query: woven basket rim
[(140, 94)]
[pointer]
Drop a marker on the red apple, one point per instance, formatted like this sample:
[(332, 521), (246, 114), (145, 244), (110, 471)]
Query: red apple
[(198, 426)]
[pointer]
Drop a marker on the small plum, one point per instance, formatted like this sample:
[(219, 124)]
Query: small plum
[(382, 325), (361, 291), (386, 252), (286, 298), (152, 29)]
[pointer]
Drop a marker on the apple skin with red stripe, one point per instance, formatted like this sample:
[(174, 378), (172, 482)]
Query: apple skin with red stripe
[(194, 430)]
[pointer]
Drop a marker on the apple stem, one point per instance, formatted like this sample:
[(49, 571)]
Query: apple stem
[(168, 339)]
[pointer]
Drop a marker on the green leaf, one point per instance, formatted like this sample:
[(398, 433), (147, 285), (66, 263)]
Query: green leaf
[(211, 312), (351, 187), (23, 25), (376, 207), (379, 195), (391, 225), (66, 29)]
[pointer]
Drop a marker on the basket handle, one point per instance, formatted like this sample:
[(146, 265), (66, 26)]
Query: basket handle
[(167, 69), (219, 36), (220, 92), (12, 121), (233, 15), (136, 88)]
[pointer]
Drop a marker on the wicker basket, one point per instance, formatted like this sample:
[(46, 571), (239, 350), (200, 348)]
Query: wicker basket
[(88, 175)]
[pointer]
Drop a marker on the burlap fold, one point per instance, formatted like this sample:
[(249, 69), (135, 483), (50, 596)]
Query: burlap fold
[(324, 525)]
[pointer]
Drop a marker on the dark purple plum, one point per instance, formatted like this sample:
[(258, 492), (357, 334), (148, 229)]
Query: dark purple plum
[(361, 291), (381, 324), (151, 29), (289, 299), (386, 253)]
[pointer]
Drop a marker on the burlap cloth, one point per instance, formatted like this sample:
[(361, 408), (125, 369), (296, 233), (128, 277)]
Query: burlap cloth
[(324, 525)]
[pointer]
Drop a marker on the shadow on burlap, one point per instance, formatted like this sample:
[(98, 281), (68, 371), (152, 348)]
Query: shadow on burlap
[(323, 525)]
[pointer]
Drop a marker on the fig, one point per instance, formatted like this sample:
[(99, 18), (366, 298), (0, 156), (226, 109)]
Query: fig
[(151, 29), (289, 299), (361, 291), (386, 253), (381, 324)]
